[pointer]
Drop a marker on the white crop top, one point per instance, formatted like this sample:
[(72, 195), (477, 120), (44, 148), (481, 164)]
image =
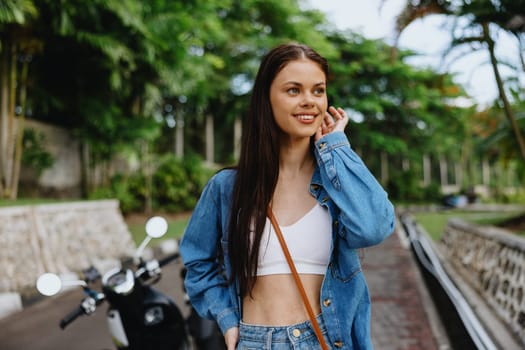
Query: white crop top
[(309, 241)]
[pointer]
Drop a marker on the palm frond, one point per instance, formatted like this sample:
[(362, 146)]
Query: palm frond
[(109, 46), (129, 12), (411, 12), (13, 11)]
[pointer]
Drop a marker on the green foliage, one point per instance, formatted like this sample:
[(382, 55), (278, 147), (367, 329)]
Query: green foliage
[(432, 192), (127, 60), (16, 11), (111, 132), (404, 186), (177, 183), (394, 107), (34, 154), (499, 142), (111, 68), (435, 222), (517, 197), (129, 190)]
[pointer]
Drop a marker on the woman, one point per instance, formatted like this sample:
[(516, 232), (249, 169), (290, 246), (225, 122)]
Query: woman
[(296, 159)]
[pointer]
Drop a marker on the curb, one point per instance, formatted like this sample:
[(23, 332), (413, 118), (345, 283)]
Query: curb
[(9, 304), (440, 335)]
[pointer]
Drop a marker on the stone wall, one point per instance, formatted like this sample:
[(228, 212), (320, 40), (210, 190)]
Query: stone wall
[(63, 178), (59, 238), (492, 261)]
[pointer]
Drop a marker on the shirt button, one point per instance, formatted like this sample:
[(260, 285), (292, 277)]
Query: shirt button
[(338, 344), (296, 333), (322, 145), (327, 302)]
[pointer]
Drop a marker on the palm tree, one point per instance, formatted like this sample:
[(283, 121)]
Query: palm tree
[(508, 15), (16, 46)]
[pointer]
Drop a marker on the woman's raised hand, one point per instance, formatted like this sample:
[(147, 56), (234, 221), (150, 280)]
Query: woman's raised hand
[(334, 120)]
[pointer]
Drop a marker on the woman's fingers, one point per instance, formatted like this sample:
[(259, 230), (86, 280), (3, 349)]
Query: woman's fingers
[(336, 119), (329, 118)]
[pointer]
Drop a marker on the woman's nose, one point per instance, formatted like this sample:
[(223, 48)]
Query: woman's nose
[(308, 100)]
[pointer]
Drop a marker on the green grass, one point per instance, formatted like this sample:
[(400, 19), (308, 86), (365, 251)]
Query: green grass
[(32, 201), (175, 229), (435, 222)]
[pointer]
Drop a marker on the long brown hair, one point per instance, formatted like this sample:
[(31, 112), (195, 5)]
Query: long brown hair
[(258, 167)]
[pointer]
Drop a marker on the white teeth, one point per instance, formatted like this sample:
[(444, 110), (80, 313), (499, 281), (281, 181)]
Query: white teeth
[(305, 117)]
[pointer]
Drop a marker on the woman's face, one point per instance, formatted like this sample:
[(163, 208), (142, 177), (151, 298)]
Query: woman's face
[(298, 98)]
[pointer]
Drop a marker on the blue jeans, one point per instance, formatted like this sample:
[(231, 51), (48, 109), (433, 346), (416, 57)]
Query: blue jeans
[(299, 336)]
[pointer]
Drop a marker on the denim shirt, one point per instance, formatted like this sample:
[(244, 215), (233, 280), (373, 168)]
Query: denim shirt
[(362, 216)]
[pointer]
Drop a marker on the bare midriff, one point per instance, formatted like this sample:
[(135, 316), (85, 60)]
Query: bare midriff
[(276, 301)]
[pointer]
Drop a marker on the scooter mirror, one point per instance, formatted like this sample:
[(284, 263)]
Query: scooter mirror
[(48, 284), (156, 227)]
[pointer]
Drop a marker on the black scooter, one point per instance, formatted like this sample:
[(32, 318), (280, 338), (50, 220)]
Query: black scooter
[(139, 316)]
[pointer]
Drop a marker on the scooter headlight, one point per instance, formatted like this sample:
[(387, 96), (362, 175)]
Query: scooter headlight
[(119, 281), (154, 315)]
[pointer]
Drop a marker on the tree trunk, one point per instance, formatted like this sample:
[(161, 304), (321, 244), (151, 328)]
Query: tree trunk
[(179, 135), (7, 113), (84, 168), (521, 50), (20, 129), (405, 164), (4, 110), (210, 142), (147, 163), (485, 172), (443, 171), (426, 170), (458, 174), (506, 105), (237, 135), (11, 130)]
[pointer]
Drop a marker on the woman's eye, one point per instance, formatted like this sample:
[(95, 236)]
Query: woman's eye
[(293, 91), (319, 91)]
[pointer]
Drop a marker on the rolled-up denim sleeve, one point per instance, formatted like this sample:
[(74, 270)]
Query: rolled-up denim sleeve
[(366, 212), (205, 285)]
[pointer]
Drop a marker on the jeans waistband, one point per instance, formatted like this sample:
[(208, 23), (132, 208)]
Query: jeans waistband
[(294, 333)]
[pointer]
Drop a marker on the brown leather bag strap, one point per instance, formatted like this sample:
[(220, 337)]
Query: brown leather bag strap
[(298, 282)]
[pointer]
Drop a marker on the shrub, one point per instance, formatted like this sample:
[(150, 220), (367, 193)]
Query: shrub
[(176, 186), (34, 155), (129, 190), (405, 186), (177, 183)]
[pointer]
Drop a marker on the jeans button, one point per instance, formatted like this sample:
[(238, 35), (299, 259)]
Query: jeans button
[(296, 333)]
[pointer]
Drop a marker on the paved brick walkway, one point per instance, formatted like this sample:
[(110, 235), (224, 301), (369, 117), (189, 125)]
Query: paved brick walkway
[(399, 320)]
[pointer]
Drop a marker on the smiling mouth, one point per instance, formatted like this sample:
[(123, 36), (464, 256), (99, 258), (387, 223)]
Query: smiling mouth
[(305, 117)]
